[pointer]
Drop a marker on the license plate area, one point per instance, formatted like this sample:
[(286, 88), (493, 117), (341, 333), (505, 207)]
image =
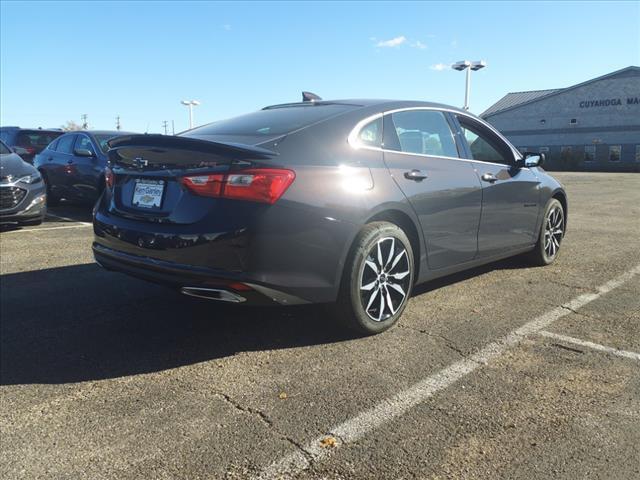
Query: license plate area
[(148, 193)]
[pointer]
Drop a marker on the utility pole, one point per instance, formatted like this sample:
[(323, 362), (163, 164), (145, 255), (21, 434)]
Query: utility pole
[(85, 125), (118, 123), (173, 128), (164, 125)]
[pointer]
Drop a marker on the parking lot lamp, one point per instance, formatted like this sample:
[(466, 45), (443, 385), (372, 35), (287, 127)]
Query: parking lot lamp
[(190, 104), (468, 66)]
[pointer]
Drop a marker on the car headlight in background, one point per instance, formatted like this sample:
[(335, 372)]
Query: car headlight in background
[(31, 178)]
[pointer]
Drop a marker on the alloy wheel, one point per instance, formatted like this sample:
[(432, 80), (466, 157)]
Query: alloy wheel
[(385, 279), (553, 231)]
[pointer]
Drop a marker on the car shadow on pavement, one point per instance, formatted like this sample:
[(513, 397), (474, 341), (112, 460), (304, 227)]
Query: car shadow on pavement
[(81, 323)]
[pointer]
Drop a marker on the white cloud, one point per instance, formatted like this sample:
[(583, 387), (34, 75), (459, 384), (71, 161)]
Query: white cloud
[(418, 44), (226, 26), (439, 67), (394, 42)]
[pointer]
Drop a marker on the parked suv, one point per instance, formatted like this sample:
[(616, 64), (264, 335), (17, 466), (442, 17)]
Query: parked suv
[(73, 165), (28, 142)]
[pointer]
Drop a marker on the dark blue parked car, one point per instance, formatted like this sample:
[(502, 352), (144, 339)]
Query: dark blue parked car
[(73, 165)]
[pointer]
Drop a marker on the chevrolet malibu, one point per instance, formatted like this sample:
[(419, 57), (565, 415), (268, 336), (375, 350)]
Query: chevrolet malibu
[(349, 202)]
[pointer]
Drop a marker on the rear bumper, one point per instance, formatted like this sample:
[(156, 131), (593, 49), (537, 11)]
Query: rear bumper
[(190, 278)]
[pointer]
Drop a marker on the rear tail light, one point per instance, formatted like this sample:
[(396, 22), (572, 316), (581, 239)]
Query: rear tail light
[(265, 185), (109, 177)]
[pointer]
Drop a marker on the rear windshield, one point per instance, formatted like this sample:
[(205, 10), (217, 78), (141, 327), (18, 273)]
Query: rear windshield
[(103, 138), (275, 121), (27, 138)]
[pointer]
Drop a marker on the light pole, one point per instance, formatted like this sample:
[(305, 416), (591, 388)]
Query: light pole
[(468, 66), (190, 104)]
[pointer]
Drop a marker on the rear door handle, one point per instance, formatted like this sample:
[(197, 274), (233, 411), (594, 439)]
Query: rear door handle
[(417, 175), (489, 177), (69, 162)]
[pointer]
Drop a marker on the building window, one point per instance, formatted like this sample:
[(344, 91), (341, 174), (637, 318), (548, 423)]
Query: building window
[(614, 153), (573, 121), (544, 149), (589, 153), (637, 153)]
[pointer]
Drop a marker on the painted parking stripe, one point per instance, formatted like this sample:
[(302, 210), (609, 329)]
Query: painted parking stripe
[(67, 219), (391, 408), (46, 229), (593, 346)]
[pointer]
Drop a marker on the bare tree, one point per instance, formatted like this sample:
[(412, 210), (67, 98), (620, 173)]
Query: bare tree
[(71, 126)]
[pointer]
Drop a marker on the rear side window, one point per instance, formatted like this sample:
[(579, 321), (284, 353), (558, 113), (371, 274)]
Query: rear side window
[(85, 143), (371, 134), (4, 149), (273, 121), (425, 132), (53, 146), (65, 144)]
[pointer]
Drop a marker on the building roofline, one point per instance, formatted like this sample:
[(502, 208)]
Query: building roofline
[(558, 91)]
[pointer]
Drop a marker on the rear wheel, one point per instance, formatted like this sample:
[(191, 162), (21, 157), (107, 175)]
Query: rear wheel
[(550, 236), (377, 279)]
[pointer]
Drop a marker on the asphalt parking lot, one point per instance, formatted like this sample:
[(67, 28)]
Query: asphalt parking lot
[(505, 371)]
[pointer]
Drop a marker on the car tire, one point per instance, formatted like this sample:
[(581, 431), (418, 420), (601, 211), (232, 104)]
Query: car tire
[(377, 279), (550, 236)]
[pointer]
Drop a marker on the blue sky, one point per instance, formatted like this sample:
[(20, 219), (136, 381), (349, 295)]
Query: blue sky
[(59, 60)]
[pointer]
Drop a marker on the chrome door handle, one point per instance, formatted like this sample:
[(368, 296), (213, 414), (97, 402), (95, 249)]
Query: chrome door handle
[(417, 175), (489, 177)]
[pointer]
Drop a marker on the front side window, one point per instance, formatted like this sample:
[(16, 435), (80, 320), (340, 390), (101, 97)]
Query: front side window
[(371, 134), (614, 153), (85, 143), (483, 146), (424, 132), (65, 144), (589, 153)]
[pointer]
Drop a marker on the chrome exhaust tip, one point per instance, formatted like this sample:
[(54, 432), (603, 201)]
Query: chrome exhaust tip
[(213, 294)]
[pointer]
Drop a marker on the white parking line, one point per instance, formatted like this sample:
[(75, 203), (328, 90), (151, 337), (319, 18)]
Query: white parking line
[(67, 219), (388, 409), (44, 229), (594, 346)]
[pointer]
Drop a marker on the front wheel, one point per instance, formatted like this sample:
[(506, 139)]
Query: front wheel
[(550, 236), (377, 279)]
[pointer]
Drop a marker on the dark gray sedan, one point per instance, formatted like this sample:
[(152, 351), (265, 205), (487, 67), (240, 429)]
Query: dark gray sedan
[(23, 198), (347, 202)]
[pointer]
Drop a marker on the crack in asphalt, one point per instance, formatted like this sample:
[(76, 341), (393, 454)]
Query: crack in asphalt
[(448, 342), (264, 418)]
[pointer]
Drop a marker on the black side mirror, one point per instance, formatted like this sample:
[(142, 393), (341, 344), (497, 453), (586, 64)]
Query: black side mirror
[(532, 159), (83, 152)]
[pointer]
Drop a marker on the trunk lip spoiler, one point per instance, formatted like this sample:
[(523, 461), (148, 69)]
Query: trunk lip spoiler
[(238, 150)]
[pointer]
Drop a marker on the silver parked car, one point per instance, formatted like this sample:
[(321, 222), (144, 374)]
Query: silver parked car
[(23, 197)]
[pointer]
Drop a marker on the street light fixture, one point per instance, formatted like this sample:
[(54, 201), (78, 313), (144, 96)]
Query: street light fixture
[(468, 66), (190, 104)]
